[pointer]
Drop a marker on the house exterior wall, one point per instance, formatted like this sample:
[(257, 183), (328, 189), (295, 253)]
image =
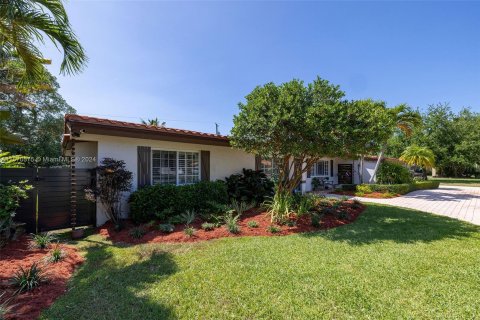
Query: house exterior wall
[(86, 154), (368, 168), (224, 161)]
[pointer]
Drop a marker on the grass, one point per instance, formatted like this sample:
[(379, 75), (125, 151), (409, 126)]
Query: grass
[(390, 263), (458, 181)]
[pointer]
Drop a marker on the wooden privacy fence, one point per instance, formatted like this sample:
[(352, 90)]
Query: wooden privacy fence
[(48, 206)]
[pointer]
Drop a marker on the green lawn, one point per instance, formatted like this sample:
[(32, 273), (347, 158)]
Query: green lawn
[(390, 263), (458, 181)]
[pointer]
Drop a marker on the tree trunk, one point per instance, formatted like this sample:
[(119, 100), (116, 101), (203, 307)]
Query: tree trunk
[(362, 164), (377, 165)]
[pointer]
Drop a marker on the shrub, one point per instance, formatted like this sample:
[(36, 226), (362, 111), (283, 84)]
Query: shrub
[(327, 210), (231, 223), (391, 188), (189, 231), (207, 226), (10, 197), (359, 194), (273, 229), (316, 219), (113, 180), (393, 173), (421, 185), (303, 204), (137, 232), (316, 183), (28, 279), (250, 186), (41, 240), (252, 224), (165, 201), (166, 227), (364, 188), (349, 187), (56, 254), (343, 215)]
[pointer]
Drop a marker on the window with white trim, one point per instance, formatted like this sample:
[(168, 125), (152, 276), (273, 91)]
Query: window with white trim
[(188, 167), (269, 167), (175, 167), (321, 169)]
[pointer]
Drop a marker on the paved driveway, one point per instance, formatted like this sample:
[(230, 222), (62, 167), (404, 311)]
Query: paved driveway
[(457, 202)]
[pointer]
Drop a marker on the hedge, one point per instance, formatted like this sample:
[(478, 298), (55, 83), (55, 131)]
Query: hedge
[(404, 187), (163, 201)]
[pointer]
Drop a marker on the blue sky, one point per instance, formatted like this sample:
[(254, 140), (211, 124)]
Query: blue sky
[(190, 63)]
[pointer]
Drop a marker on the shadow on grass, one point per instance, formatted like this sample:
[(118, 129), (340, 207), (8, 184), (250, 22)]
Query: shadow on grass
[(385, 223), (109, 286)]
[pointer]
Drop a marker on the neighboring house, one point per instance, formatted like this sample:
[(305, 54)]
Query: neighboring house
[(166, 155)]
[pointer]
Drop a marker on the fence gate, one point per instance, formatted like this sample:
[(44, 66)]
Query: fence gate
[(48, 204)]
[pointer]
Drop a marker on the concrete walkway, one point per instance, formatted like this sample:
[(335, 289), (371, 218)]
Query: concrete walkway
[(457, 202)]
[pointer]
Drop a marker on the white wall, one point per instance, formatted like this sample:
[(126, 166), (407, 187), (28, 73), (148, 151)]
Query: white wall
[(224, 161), (86, 154)]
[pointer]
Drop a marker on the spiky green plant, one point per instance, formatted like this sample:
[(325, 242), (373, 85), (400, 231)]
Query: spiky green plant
[(188, 217), (189, 231), (273, 229), (166, 227), (207, 226), (6, 306), (231, 223), (252, 224), (41, 240), (280, 207), (56, 254), (26, 279), (241, 206)]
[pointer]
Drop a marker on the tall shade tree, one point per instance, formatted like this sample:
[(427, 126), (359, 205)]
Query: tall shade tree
[(40, 127), (26, 23), (419, 156), (296, 125), (405, 120)]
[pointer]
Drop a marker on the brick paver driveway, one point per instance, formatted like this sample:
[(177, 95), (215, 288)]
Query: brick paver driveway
[(457, 202)]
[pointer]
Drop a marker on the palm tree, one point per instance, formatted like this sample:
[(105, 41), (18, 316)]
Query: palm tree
[(421, 157), (9, 161), (153, 122), (405, 120), (24, 23)]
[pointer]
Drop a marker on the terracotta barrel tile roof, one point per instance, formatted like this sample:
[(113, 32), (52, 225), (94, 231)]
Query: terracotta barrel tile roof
[(75, 118)]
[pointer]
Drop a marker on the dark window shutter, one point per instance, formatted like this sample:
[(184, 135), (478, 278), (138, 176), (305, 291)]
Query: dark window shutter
[(309, 172), (144, 155), (258, 162), (205, 163), (331, 168)]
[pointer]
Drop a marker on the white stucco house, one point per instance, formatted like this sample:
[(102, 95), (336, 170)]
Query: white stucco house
[(166, 155)]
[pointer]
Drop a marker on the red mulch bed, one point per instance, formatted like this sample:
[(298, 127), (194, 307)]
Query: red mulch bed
[(263, 220), (17, 254), (373, 195)]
